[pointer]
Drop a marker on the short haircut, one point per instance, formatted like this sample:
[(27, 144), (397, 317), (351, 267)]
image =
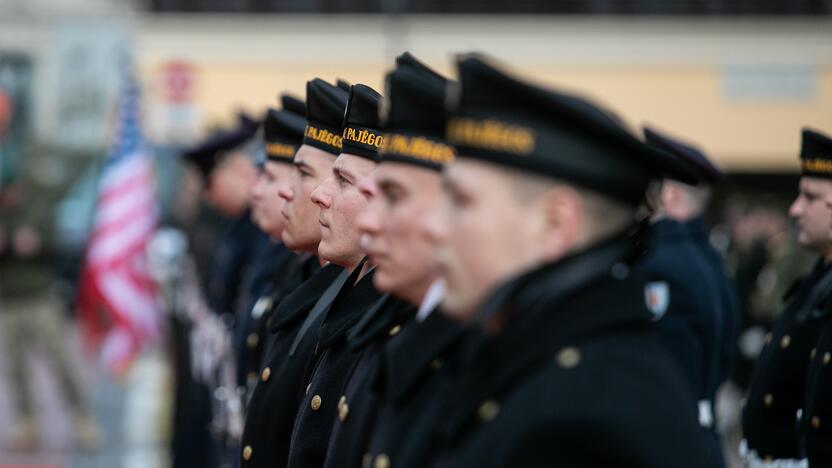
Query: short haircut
[(604, 215)]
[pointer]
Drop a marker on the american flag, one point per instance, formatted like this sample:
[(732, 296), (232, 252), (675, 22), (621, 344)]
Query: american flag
[(117, 296)]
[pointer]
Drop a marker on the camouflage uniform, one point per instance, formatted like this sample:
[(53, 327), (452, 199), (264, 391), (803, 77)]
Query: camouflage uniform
[(31, 313)]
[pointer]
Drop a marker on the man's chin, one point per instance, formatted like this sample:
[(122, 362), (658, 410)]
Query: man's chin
[(292, 242), (277, 233), (325, 252), (384, 283), (331, 253), (457, 308), (386, 280)]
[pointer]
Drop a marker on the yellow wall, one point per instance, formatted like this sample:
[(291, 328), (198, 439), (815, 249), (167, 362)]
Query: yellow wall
[(668, 74), (687, 102)]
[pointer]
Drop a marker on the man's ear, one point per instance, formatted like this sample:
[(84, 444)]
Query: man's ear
[(670, 196), (245, 168), (561, 221)]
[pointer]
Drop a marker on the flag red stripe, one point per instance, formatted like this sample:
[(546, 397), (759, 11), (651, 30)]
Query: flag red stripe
[(115, 278)]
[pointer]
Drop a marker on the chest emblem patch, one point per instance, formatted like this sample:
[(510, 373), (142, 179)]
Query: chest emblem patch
[(657, 298)]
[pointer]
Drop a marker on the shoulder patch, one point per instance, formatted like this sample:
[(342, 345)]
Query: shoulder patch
[(657, 298)]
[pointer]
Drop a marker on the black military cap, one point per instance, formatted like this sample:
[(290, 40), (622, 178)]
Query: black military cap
[(698, 165), (501, 119), (415, 116), (206, 155), (362, 136), (343, 84), (816, 154), (293, 104), (283, 134), (325, 105)]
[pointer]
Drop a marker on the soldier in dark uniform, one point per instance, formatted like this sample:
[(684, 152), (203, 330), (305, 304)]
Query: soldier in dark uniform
[(815, 430), (282, 134), (227, 175), (774, 404), (692, 300), (361, 319), (727, 292), (274, 402), (406, 186), (404, 267), (561, 364), (816, 436)]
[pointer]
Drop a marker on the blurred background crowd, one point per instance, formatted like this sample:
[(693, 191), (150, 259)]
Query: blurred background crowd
[(738, 77)]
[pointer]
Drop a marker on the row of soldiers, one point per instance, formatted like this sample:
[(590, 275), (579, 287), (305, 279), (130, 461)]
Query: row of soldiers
[(485, 272)]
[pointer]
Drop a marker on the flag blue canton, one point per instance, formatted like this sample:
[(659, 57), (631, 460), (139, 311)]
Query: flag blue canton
[(127, 138)]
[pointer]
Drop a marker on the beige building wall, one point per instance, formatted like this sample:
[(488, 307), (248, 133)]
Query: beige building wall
[(669, 73)]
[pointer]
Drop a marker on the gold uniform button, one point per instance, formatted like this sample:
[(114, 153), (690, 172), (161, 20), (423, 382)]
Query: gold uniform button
[(812, 354), (826, 358), (768, 399), (815, 422), (343, 408), (267, 372), (488, 410), (436, 364), (785, 341), (569, 357), (382, 461), (315, 404), (252, 339), (395, 331), (247, 452)]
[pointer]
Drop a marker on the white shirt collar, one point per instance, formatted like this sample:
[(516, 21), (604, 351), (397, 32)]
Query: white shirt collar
[(434, 295)]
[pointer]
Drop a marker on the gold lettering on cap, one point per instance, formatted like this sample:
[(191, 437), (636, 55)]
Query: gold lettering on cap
[(817, 165), (280, 150), (323, 135), (491, 135), (418, 148), (363, 136)]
